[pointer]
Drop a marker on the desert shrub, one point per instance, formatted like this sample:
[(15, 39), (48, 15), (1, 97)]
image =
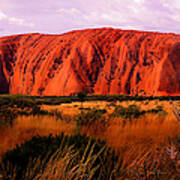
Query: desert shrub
[(24, 103), (90, 117), (7, 117), (92, 158), (112, 104), (13, 106), (164, 163), (53, 101), (111, 98), (60, 116), (14, 102), (158, 109), (67, 118), (17, 101), (7, 114), (146, 102), (131, 111), (3, 102), (56, 113), (83, 108)]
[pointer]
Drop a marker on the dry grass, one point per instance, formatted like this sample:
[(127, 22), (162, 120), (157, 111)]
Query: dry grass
[(73, 108), (149, 130), (146, 134), (63, 168), (25, 128), (66, 163)]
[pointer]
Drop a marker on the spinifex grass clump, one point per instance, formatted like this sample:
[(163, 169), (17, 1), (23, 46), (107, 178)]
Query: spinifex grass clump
[(60, 157), (12, 106), (88, 118), (163, 164), (7, 112), (131, 111)]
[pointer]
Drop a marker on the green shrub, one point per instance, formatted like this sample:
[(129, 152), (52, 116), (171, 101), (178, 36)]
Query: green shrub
[(24, 103), (7, 117), (58, 114), (158, 109), (3, 102), (90, 117), (146, 102), (13, 106), (82, 108), (131, 111), (134, 111)]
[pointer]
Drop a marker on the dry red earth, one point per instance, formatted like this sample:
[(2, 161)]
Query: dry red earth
[(100, 61)]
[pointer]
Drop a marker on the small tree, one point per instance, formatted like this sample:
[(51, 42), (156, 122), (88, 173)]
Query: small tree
[(81, 97)]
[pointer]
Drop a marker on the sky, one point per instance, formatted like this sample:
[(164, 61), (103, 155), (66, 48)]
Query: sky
[(59, 16)]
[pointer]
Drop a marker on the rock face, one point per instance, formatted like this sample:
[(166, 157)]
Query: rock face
[(97, 61)]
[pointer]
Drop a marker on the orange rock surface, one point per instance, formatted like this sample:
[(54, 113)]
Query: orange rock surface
[(95, 61)]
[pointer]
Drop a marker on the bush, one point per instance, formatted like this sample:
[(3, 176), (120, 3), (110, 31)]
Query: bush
[(24, 103), (157, 109), (146, 102), (7, 117), (82, 108), (134, 111), (164, 163), (90, 117), (94, 158), (13, 106), (131, 111)]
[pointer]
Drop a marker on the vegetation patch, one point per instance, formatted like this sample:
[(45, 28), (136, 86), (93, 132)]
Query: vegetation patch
[(10, 108), (89, 117), (134, 111), (131, 111), (82, 157)]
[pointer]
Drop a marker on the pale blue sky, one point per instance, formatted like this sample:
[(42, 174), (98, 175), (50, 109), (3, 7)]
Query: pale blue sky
[(58, 16)]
